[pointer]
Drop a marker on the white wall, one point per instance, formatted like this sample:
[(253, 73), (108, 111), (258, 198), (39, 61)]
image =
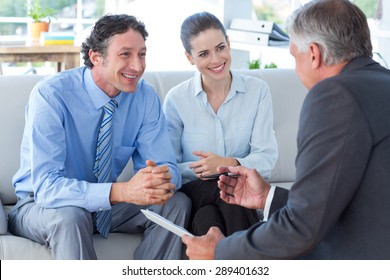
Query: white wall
[(163, 19), (384, 32), (230, 9)]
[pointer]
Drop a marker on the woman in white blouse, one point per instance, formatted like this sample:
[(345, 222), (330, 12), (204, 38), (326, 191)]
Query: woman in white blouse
[(217, 118)]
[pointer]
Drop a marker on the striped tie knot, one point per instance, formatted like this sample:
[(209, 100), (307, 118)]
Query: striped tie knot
[(110, 107)]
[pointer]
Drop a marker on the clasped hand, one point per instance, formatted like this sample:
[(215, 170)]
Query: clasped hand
[(150, 185)]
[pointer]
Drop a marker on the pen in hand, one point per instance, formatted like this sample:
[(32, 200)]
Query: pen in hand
[(216, 175)]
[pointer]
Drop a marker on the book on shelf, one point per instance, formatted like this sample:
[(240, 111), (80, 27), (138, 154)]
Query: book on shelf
[(57, 38), (12, 40), (256, 38), (57, 42), (260, 32)]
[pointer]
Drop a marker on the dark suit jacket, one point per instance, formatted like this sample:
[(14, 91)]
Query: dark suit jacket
[(339, 206)]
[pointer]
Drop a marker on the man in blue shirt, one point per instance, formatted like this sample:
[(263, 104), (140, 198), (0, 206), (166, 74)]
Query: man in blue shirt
[(59, 194)]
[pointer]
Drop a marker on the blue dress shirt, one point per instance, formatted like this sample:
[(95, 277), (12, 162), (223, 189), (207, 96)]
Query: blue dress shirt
[(59, 142), (242, 128)]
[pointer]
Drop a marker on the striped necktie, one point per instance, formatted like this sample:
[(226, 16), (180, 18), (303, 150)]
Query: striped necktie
[(102, 168)]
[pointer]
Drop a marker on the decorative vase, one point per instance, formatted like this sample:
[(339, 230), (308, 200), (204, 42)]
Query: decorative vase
[(36, 28)]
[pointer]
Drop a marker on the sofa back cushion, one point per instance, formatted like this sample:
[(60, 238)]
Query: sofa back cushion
[(14, 94), (287, 97), (287, 94)]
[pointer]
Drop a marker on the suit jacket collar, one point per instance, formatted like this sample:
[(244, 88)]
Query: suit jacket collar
[(358, 62)]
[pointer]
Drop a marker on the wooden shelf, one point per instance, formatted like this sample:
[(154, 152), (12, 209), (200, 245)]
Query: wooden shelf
[(66, 56)]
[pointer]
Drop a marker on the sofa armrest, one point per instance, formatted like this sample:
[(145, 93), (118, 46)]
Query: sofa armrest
[(3, 219)]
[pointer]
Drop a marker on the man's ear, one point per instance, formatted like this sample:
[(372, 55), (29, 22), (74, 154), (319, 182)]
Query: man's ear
[(95, 57), (189, 57), (316, 58)]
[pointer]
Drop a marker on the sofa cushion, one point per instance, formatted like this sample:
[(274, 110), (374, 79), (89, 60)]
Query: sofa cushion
[(120, 246), (287, 95), (15, 92), (3, 220)]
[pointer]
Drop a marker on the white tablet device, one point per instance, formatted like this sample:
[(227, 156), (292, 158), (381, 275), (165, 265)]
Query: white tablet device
[(180, 231)]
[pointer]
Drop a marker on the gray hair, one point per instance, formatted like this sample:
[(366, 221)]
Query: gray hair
[(338, 27)]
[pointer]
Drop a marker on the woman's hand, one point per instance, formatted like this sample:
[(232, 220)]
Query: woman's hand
[(209, 162)]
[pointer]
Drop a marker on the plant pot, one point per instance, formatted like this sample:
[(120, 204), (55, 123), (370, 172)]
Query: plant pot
[(36, 28)]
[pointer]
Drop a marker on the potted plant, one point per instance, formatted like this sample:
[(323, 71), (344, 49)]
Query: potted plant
[(254, 64), (41, 17)]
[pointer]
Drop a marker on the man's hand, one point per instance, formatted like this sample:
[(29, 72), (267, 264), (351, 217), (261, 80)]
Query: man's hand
[(151, 185), (209, 162), (203, 247), (249, 189)]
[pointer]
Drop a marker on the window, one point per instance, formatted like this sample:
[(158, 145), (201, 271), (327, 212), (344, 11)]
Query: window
[(276, 11), (72, 15), (163, 23), (165, 50), (376, 12)]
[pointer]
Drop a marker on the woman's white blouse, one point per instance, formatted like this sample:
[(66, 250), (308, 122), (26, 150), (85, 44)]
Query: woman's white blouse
[(242, 128)]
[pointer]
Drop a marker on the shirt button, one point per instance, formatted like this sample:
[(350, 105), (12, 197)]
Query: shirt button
[(100, 209)]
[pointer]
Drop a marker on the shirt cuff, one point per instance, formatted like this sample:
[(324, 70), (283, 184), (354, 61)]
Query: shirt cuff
[(99, 197), (268, 202)]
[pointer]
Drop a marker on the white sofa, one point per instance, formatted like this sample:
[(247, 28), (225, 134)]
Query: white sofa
[(287, 94)]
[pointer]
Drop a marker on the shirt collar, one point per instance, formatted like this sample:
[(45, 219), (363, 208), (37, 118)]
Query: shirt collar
[(238, 84), (197, 83), (98, 97)]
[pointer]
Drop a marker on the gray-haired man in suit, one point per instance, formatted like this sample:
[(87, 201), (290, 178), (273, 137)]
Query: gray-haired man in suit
[(338, 207)]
